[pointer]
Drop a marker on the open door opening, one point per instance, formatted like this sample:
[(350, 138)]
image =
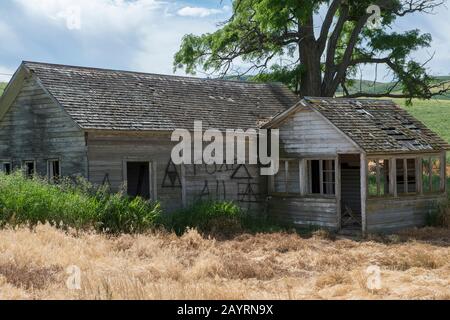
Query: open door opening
[(138, 179), (351, 218)]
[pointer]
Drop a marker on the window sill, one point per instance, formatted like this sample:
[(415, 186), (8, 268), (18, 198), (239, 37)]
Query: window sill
[(297, 196), (407, 196)]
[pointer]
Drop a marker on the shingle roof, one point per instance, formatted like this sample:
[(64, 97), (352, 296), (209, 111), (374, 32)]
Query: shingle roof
[(122, 100), (378, 125)]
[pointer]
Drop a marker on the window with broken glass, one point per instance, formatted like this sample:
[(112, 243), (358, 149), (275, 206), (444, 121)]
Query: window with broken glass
[(287, 180), (431, 178), (378, 179)]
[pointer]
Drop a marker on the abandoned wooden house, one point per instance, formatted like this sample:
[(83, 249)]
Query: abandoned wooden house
[(344, 163)]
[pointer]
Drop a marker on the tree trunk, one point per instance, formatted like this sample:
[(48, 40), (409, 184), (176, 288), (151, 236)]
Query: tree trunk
[(311, 76)]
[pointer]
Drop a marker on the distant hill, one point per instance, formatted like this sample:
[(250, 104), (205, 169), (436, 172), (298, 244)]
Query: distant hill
[(380, 87)]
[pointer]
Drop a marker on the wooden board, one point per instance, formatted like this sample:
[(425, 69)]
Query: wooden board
[(35, 128)]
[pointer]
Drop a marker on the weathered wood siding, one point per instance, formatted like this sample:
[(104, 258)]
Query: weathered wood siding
[(225, 182), (304, 211), (36, 128), (307, 134), (107, 153), (387, 215)]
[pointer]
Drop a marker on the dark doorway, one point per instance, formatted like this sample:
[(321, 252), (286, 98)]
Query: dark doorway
[(29, 168), (351, 191), (138, 176)]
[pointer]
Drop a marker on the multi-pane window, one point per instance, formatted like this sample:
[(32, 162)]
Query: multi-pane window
[(322, 177), (406, 176), (378, 177), (431, 179), (53, 170), (413, 175), (287, 180)]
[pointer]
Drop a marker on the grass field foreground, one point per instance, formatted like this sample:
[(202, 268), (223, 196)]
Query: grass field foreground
[(34, 265)]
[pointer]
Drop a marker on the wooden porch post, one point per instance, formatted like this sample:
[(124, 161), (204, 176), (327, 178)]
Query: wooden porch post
[(419, 176), (443, 171), (303, 176), (183, 186), (364, 192), (393, 177), (338, 191)]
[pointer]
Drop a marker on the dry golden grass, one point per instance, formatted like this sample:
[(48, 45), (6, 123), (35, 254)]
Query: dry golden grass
[(33, 264)]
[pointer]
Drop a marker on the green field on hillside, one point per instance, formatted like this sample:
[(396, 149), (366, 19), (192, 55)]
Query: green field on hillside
[(434, 113), (2, 87)]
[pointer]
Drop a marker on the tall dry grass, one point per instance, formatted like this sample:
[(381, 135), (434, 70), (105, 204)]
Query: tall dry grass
[(414, 264)]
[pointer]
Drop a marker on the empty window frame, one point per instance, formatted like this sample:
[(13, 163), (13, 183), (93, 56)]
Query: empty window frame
[(431, 177), (6, 167), (378, 179), (322, 177), (287, 180), (139, 180), (54, 170), (406, 176), (29, 168)]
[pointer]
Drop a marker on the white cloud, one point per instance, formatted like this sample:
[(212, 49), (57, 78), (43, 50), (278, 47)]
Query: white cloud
[(199, 12), (5, 74), (141, 35), (96, 16)]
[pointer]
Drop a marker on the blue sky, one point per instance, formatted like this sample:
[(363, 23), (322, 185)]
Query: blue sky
[(140, 35)]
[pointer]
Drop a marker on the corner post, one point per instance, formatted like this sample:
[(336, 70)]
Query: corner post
[(443, 171), (303, 177), (338, 191), (183, 186), (364, 193), (393, 177)]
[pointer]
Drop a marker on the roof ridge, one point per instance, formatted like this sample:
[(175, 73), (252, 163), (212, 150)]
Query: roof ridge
[(153, 74), (310, 98)]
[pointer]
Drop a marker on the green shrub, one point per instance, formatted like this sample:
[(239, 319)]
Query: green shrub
[(121, 214), (219, 219), (74, 204), (77, 204), (206, 217)]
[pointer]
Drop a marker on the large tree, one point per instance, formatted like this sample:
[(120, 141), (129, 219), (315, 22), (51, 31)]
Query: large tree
[(317, 46)]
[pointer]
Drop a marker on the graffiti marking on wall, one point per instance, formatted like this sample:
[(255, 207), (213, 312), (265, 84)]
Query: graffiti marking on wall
[(171, 176)]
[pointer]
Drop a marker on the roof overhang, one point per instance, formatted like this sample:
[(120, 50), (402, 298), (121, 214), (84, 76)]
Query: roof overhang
[(13, 88)]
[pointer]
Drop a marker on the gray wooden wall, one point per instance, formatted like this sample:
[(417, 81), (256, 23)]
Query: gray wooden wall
[(307, 135), (36, 128), (107, 153), (305, 211), (387, 215)]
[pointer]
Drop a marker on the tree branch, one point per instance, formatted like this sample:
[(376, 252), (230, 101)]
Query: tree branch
[(332, 46), (342, 67), (322, 41), (412, 6)]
